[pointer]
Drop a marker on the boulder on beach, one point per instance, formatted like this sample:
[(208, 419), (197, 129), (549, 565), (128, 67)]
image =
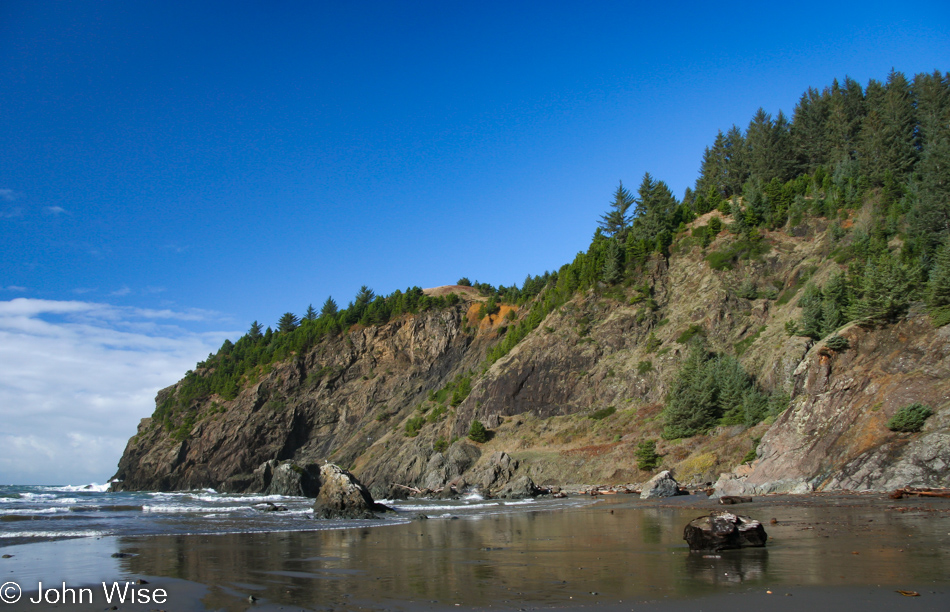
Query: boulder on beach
[(661, 485), (723, 530), (343, 496), (519, 488), (290, 479)]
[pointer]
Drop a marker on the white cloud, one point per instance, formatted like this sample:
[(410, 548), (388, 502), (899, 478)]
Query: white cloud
[(121, 292), (55, 210), (8, 195), (16, 288), (78, 376)]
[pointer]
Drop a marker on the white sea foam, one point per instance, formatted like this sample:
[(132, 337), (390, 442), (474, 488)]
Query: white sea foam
[(31, 511), (248, 499), (92, 488), (80, 533), (192, 509)]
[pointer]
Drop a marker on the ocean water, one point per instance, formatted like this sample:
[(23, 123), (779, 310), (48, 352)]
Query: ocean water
[(42, 513)]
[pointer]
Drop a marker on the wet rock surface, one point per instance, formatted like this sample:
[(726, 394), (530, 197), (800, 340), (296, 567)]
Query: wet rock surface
[(724, 531)]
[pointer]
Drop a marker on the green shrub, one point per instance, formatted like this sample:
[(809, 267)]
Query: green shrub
[(652, 343), (413, 426), (910, 418), (940, 316), (477, 432), (644, 366), (647, 457), (748, 290), (440, 445), (690, 332), (603, 413), (837, 343), (750, 456)]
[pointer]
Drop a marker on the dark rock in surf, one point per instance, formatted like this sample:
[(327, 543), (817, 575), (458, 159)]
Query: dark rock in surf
[(723, 530)]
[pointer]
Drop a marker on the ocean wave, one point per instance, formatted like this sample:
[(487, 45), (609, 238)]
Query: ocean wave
[(79, 533), (193, 509), (34, 511), (91, 488), (248, 499)]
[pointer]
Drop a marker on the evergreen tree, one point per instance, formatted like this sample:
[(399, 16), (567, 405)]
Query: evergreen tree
[(808, 129), (768, 147), (735, 168), (311, 314), (364, 296), (615, 221), (329, 308), (900, 125), (477, 432), (843, 126), (938, 287), (613, 264), (931, 93), (691, 406), (287, 323), (255, 332), (929, 217), (656, 209)]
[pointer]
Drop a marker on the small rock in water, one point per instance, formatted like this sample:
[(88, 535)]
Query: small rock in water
[(7, 556), (121, 555)]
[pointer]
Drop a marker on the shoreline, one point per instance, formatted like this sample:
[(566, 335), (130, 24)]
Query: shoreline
[(823, 548)]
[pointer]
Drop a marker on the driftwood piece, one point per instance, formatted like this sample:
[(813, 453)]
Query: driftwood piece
[(727, 500), (922, 492), (402, 486)]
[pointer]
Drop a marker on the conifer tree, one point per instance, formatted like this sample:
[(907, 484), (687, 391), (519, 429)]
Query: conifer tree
[(329, 308), (288, 322), (938, 287), (311, 314), (255, 332), (613, 263), (616, 220)]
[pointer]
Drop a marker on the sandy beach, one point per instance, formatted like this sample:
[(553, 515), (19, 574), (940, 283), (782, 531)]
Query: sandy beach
[(621, 553)]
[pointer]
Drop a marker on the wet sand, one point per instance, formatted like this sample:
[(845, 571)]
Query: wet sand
[(824, 552)]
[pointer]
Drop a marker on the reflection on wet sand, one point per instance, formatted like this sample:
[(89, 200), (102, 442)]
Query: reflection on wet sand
[(617, 550)]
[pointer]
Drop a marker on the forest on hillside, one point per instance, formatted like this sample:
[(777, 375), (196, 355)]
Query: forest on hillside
[(882, 149)]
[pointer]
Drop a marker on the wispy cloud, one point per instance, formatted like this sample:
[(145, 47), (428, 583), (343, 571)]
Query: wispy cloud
[(55, 210), (175, 248), (121, 292), (15, 288), (14, 212), (8, 195), (77, 378)]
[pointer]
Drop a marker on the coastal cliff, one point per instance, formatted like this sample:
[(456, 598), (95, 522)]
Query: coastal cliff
[(575, 398)]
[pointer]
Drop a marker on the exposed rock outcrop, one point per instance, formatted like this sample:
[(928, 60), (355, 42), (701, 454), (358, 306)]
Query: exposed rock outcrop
[(834, 436), (343, 496)]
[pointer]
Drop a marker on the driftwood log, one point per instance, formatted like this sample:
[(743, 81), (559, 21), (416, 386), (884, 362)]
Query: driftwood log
[(723, 530), (924, 492), (727, 500)]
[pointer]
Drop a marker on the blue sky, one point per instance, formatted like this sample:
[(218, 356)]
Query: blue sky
[(171, 171)]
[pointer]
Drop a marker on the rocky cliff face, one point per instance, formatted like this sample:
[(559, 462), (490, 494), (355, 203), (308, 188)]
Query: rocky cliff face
[(571, 401), (834, 435)]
